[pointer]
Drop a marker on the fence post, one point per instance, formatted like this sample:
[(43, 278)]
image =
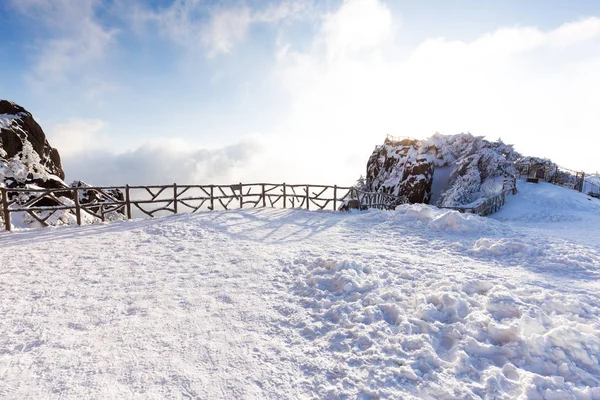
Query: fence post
[(212, 199), (175, 197), (127, 202), (264, 198), (77, 207), (241, 196), (7, 223), (582, 182), (307, 198), (284, 196), (334, 197)]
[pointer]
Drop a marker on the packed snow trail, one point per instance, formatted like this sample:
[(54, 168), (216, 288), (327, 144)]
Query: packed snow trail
[(287, 304)]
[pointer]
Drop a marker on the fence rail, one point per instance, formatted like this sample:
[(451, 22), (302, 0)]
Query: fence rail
[(491, 204), (554, 174), (106, 202), (392, 138)]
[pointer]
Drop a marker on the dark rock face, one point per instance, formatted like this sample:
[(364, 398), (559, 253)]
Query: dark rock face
[(24, 128), (401, 169), (418, 180)]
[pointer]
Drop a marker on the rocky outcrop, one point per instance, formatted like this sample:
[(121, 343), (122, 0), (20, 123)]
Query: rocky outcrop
[(28, 161), (26, 158), (400, 168), (473, 168), (17, 128)]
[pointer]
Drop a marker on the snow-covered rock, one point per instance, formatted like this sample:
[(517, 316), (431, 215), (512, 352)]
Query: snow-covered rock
[(28, 161), (470, 168), (22, 137), (400, 168), (26, 158)]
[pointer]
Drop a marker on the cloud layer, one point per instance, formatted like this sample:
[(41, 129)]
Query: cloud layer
[(166, 161)]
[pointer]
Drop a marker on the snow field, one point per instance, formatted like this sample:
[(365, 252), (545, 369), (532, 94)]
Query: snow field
[(287, 304), (439, 333), (476, 339), (150, 309)]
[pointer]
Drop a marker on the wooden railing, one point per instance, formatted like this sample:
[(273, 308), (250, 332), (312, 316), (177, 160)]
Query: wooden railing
[(102, 203), (556, 175), (491, 204), (392, 138)]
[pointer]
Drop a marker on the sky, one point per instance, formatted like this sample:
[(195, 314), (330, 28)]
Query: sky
[(192, 91)]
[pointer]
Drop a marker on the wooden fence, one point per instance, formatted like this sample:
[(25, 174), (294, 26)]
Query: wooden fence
[(105, 202), (556, 175)]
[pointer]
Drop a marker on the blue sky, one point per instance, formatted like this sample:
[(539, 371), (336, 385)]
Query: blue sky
[(213, 91)]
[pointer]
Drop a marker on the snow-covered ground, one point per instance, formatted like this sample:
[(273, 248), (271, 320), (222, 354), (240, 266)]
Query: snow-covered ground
[(286, 304)]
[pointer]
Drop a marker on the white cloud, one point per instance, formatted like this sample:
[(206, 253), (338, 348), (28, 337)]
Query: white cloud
[(164, 161), (357, 25), (253, 159), (76, 136), (220, 29), (536, 89), (59, 58), (53, 12), (281, 11), (75, 40), (226, 29), (576, 32)]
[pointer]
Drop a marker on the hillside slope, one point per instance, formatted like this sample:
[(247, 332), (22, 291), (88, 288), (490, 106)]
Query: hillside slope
[(287, 304), (553, 210)]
